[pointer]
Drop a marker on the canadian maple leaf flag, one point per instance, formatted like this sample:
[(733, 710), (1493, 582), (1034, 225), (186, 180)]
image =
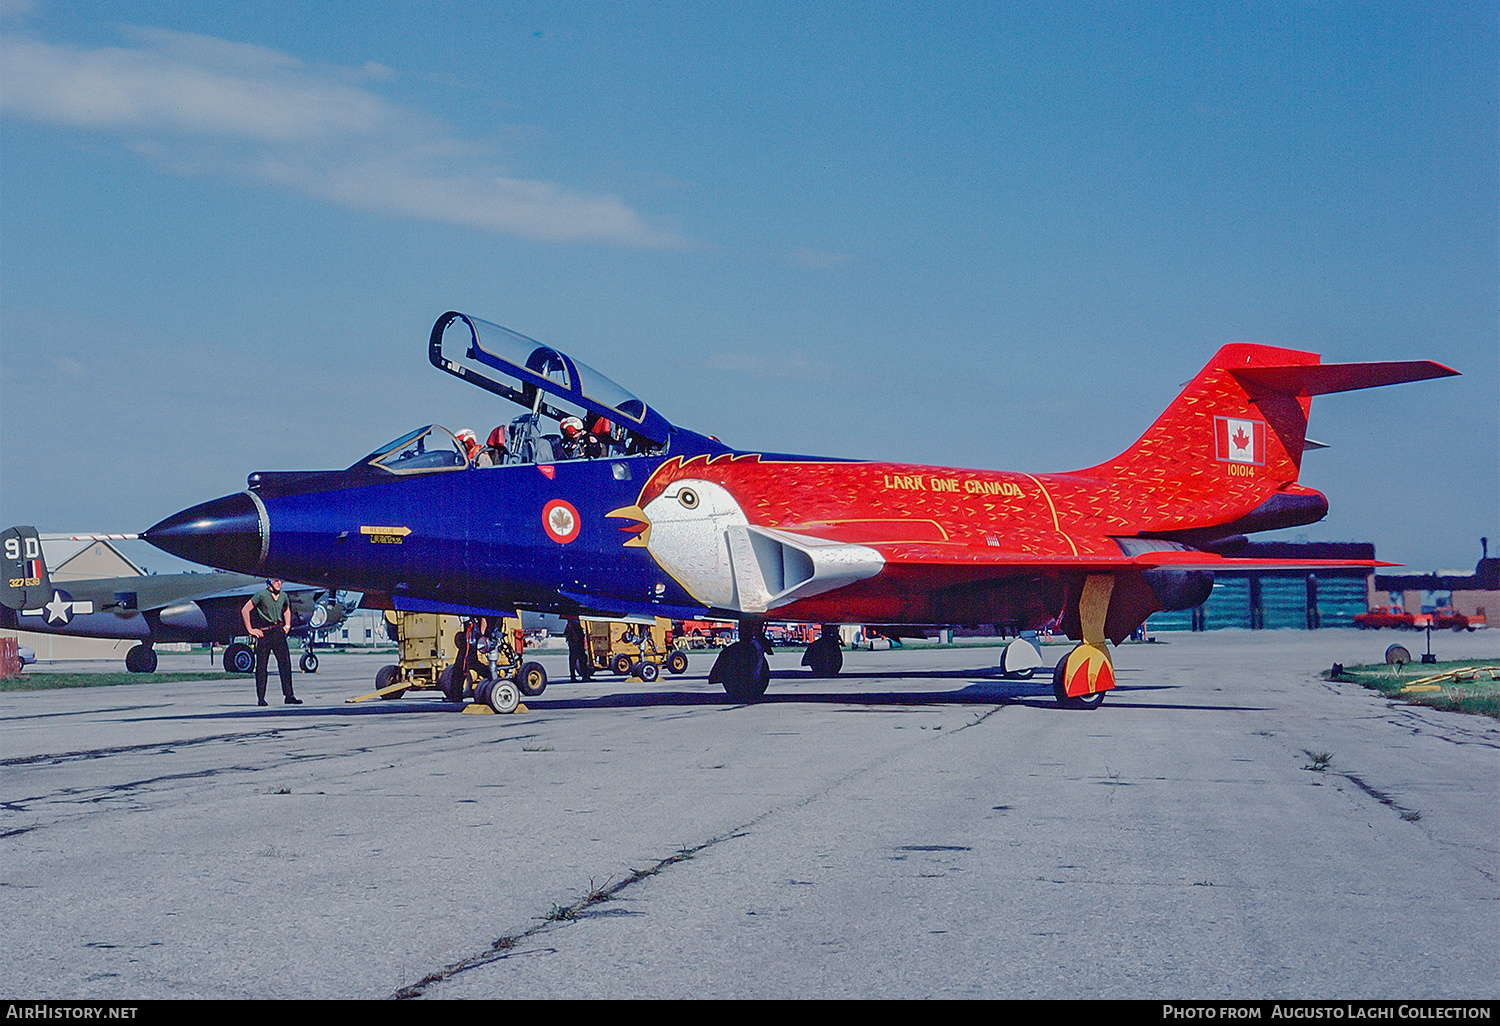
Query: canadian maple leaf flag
[(1241, 441)]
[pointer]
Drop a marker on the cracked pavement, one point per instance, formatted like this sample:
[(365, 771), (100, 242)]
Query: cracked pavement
[(915, 828)]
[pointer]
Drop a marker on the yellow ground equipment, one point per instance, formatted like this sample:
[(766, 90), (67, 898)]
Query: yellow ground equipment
[(634, 646), (429, 647)]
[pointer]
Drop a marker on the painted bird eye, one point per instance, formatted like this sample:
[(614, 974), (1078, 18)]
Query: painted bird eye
[(688, 498)]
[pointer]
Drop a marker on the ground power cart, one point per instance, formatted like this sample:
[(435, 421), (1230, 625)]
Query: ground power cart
[(429, 647), (634, 647)]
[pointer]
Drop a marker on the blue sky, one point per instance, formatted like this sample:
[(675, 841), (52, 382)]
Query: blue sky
[(982, 235)]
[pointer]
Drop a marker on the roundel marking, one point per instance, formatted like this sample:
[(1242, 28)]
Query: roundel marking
[(560, 521), (60, 609)]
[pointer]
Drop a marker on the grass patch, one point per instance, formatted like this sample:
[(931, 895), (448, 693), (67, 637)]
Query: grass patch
[(50, 681), (1476, 693)]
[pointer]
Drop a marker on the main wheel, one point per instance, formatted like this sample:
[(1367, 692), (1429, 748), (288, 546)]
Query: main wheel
[(239, 658), (743, 671), (385, 677), (1060, 691), (648, 672), (308, 662), (531, 678), (824, 657), (677, 662), (504, 697)]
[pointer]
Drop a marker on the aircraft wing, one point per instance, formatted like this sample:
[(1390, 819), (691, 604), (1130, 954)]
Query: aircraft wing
[(959, 557)]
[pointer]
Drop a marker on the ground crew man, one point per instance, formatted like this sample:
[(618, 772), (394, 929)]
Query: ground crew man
[(579, 664), (268, 619)]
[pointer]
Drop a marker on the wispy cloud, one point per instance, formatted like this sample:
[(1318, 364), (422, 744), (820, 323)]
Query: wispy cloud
[(198, 104)]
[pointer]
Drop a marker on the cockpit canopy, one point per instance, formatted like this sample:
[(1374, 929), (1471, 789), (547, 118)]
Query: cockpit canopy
[(548, 384), (420, 451), (569, 411)]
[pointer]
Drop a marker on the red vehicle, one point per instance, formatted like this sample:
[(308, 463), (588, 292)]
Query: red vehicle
[(1452, 618), (1390, 616)]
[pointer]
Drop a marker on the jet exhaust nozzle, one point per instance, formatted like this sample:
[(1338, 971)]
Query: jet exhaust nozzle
[(229, 533)]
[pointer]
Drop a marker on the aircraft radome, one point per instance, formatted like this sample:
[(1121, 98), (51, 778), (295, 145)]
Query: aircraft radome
[(150, 608), (633, 515)]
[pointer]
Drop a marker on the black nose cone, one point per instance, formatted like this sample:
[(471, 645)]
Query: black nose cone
[(226, 533)]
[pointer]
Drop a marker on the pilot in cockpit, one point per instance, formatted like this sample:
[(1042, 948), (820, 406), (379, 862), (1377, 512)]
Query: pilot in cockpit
[(493, 453), (604, 431), (577, 443), (469, 441)]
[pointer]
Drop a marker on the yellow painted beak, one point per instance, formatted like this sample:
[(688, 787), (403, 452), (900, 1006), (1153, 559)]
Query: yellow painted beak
[(641, 528)]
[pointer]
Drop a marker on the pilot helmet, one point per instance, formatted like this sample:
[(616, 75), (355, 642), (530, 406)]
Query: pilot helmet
[(572, 426), (466, 435)]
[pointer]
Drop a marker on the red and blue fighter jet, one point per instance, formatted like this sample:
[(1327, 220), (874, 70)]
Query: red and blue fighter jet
[(648, 518)]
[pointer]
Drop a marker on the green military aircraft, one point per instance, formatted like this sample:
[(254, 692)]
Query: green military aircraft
[(188, 607)]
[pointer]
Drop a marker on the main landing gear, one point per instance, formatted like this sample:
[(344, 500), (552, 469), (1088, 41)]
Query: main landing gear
[(825, 656), (1080, 680), (239, 659), (141, 659), (742, 667)]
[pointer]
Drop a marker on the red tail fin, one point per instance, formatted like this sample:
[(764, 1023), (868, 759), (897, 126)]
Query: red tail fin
[(1231, 443)]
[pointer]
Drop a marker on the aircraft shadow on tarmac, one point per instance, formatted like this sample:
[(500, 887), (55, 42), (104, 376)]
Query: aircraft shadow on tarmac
[(984, 687)]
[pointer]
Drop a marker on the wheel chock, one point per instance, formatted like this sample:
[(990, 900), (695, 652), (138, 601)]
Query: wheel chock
[(403, 686), (482, 709)]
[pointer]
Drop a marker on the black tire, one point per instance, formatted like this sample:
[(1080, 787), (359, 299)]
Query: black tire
[(648, 672), (743, 672), (1059, 692), (308, 662), (677, 662), (385, 678), (620, 664), (825, 657), (450, 685), (239, 659), (531, 678)]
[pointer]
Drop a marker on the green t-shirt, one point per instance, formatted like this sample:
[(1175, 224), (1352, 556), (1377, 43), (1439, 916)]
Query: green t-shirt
[(268, 608)]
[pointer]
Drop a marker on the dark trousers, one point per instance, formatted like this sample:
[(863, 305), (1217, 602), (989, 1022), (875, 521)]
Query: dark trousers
[(272, 641), (579, 665)]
